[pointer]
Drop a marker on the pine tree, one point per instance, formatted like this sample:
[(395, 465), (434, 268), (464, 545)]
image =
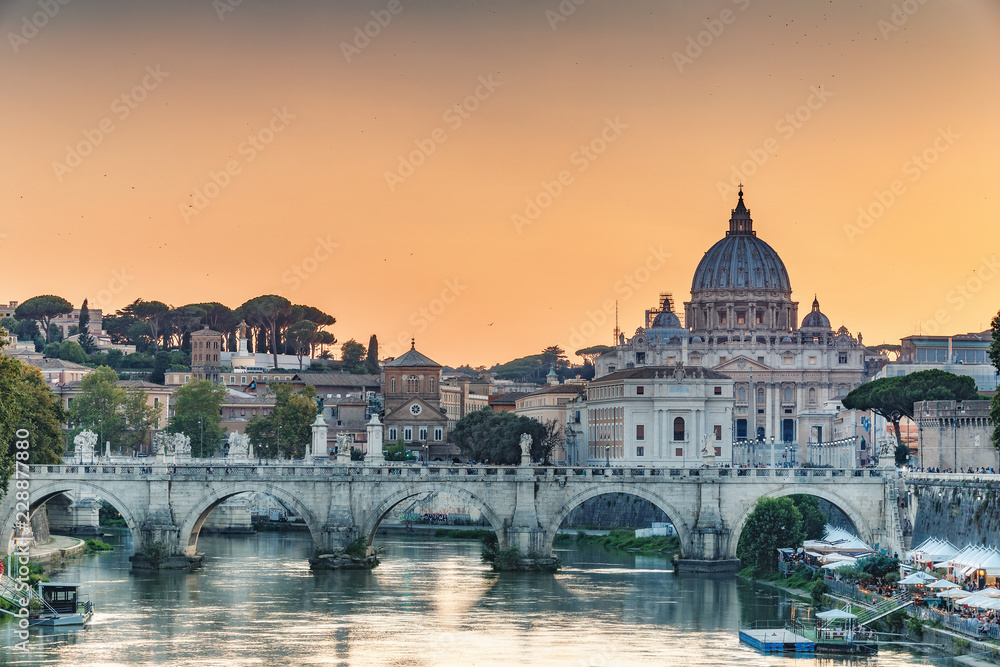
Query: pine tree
[(371, 361), (86, 340)]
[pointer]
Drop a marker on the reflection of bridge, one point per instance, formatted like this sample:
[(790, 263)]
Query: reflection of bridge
[(165, 506)]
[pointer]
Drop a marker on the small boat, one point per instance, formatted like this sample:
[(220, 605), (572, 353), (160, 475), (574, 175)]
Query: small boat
[(59, 604)]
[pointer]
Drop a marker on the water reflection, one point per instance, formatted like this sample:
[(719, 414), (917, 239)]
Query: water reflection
[(431, 602)]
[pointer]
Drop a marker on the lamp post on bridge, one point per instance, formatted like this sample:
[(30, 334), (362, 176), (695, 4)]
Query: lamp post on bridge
[(772, 451)]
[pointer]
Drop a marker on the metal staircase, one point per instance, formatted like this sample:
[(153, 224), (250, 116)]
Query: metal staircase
[(883, 608)]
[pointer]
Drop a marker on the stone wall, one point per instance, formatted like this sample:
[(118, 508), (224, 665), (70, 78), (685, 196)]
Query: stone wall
[(40, 526), (615, 509), (962, 512)]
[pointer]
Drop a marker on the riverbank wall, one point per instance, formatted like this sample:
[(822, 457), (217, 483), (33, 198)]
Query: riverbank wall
[(963, 511)]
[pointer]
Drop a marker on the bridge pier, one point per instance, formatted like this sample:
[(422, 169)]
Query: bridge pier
[(706, 550), (161, 549)]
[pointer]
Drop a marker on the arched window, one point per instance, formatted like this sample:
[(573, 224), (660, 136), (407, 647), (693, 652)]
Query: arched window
[(412, 384), (392, 385), (743, 394), (760, 394), (432, 385), (788, 394), (842, 392), (679, 428), (812, 395)]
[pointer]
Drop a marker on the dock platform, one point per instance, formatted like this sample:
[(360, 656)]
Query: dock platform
[(777, 640)]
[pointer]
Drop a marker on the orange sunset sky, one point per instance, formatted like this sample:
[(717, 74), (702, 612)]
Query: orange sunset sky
[(387, 178)]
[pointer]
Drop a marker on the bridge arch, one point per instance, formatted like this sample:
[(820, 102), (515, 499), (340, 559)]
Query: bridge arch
[(375, 517), (219, 493), (39, 495), (861, 526), (675, 516)]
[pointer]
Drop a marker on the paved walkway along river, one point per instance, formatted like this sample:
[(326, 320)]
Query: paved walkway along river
[(431, 602)]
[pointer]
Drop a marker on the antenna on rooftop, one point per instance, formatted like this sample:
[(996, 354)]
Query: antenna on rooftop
[(617, 330)]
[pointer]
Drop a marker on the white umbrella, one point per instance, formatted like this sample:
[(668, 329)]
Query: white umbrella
[(989, 593), (913, 580), (835, 614), (954, 593), (941, 583)]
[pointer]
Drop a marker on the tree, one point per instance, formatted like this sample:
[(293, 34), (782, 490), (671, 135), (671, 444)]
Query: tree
[(198, 415), (43, 309), (813, 521), (287, 429), (70, 350), (352, 353), (879, 565), (554, 356), (485, 435), (300, 336), (153, 313), (86, 340), (41, 414), (180, 322), (371, 361), (265, 312), (774, 523), (591, 353), (995, 401), (893, 398), (138, 419)]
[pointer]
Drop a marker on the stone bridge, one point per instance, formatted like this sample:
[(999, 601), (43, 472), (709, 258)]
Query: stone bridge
[(166, 505)]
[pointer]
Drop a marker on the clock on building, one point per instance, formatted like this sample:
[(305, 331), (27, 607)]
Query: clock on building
[(415, 409)]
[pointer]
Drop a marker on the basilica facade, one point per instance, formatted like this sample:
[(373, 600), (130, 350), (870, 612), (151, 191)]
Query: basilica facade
[(741, 322)]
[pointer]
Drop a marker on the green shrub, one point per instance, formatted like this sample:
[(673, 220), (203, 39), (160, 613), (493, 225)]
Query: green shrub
[(915, 627), (818, 590), (96, 546), (507, 559), (491, 547)]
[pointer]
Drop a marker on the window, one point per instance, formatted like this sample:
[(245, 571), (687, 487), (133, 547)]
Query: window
[(741, 317), (438, 434), (812, 396), (243, 379), (678, 451), (640, 432), (718, 432), (392, 385), (760, 394), (393, 434), (788, 395), (423, 433), (432, 385), (718, 451), (842, 392), (407, 434), (741, 395), (812, 361), (760, 359), (640, 357), (412, 385), (640, 451), (760, 319), (232, 379), (722, 317), (722, 360), (717, 391), (842, 358), (679, 428), (639, 391), (741, 429), (787, 430)]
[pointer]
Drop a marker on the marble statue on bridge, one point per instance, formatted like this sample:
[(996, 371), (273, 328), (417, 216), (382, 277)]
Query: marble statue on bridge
[(83, 444), (239, 446), (525, 449)]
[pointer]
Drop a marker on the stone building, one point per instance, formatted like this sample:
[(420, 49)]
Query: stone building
[(206, 348), (548, 404), (741, 322), (656, 415), (413, 411), (951, 431)]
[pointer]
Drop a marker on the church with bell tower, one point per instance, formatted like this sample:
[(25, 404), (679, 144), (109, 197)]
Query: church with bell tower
[(413, 412)]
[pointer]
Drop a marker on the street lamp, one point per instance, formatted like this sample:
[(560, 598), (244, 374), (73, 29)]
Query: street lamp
[(201, 440), (772, 451)]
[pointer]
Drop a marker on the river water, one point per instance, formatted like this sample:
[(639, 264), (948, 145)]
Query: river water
[(430, 602)]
